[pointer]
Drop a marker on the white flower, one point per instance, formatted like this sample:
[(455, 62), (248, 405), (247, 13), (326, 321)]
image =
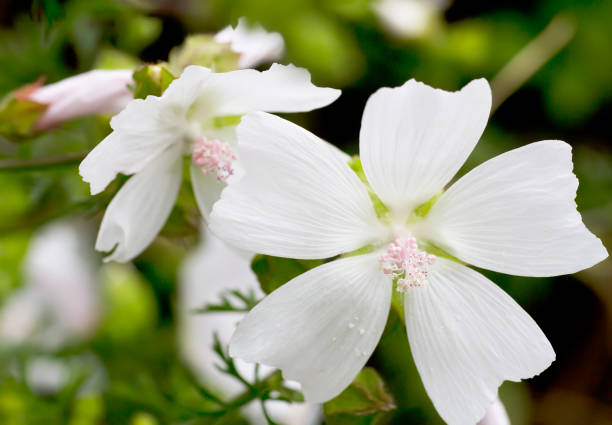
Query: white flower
[(210, 270), (407, 18), (513, 214), (254, 44), (151, 136), (93, 92), (60, 301)]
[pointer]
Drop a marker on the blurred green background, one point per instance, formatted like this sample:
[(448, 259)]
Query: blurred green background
[(558, 87)]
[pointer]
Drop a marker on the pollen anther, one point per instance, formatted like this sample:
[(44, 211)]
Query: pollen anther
[(213, 156), (405, 262)]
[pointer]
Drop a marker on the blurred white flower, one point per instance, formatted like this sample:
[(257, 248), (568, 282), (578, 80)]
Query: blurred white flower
[(513, 214), (89, 93), (408, 18), (254, 44), (210, 270), (60, 301), (496, 415), (196, 116), (46, 375)]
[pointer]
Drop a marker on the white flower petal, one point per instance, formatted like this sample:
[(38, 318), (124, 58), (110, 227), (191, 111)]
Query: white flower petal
[(297, 199), (496, 415), (254, 43), (143, 130), (59, 267), (321, 327), (516, 214), (282, 88), (206, 189), (139, 210), (467, 336), (414, 138)]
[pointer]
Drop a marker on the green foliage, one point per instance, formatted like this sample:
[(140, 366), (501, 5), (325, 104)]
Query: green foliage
[(232, 300), (273, 272), (365, 402), (151, 80)]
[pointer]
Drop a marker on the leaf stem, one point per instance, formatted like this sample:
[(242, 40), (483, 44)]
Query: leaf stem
[(33, 164), (531, 58)]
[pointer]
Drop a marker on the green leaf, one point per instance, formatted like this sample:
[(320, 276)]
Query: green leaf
[(365, 402), (151, 80), (273, 272)]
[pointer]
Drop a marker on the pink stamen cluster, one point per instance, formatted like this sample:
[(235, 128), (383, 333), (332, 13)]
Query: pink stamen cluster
[(213, 156), (405, 262)]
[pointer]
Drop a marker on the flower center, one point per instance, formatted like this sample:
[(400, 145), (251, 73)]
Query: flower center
[(213, 156), (405, 262)]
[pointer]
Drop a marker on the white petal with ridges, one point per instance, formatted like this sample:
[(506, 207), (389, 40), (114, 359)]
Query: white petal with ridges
[(414, 138), (144, 129), (516, 214), (321, 327), (467, 336), (141, 207), (282, 88), (297, 199), (206, 189)]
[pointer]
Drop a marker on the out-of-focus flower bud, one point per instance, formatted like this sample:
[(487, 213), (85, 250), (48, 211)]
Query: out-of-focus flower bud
[(93, 92)]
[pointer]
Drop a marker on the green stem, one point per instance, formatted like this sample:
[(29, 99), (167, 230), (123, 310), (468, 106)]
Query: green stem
[(33, 164), (531, 58)]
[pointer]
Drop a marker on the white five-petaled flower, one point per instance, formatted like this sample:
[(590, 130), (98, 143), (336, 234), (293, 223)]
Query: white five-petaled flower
[(254, 44), (513, 214), (151, 136)]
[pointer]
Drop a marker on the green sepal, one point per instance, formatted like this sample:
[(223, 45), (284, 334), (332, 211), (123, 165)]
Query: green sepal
[(227, 120), (18, 114), (273, 272), (203, 50), (151, 80), (422, 210), (365, 402), (382, 212)]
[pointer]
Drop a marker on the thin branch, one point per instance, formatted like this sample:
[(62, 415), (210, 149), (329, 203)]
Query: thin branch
[(32, 164), (531, 58)]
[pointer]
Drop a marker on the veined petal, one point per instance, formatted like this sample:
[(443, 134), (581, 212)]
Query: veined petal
[(414, 138), (321, 327), (206, 189), (467, 336), (516, 214), (139, 210), (144, 129), (297, 199), (282, 88)]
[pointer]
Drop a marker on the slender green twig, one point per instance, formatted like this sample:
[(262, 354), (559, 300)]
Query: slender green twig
[(531, 58), (33, 164)]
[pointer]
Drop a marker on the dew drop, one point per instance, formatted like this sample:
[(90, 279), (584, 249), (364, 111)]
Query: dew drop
[(361, 331), (351, 325)]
